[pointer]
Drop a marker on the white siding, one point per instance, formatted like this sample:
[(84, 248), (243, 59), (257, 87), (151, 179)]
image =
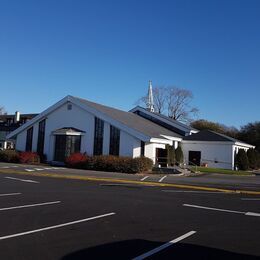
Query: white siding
[(216, 155), (150, 150), (83, 120), (21, 141), (127, 144)]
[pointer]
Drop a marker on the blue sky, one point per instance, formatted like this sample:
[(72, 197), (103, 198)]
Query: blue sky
[(106, 51)]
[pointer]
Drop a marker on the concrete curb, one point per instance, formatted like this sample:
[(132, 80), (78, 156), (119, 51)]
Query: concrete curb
[(151, 184)]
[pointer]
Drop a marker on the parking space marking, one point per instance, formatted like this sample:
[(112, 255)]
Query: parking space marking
[(254, 214), (31, 205), (29, 170), (144, 178), (23, 180), (162, 178), (5, 167), (162, 247), (38, 169), (56, 226), (10, 194), (193, 191)]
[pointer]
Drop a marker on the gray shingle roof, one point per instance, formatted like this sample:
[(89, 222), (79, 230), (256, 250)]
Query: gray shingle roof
[(131, 120), (208, 135)]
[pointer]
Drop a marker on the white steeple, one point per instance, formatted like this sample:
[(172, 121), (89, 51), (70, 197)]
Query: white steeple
[(150, 104)]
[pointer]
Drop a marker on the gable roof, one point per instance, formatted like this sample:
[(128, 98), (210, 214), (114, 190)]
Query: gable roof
[(165, 121), (130, 122), (211, 136)]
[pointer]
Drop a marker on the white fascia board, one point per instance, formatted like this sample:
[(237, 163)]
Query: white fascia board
[(160, 141), (178, 139), (39, 117), (110, 120), (68, 133), (244, 145)]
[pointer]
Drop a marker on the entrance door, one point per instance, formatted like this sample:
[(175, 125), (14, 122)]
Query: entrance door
[(161, 157), (65, 145), (194, 157)]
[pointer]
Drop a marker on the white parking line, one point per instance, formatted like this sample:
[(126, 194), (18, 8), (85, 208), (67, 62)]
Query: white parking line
[(56, 226), (162, 247), (31, 205), (10, 194), (48, 168), (29, 170), (224, 210), (5, 167), (144, 178), (162, 178), (17, 179), (14, 166), (38, 169)]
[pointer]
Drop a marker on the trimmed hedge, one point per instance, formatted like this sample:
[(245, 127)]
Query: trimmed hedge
[(29, 157), (13, 156), (109, 163), (9, 156)]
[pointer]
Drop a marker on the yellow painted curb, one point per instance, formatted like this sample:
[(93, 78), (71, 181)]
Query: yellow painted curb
[(154, 184)]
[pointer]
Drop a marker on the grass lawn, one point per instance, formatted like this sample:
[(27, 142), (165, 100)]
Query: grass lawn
[(215, 170)]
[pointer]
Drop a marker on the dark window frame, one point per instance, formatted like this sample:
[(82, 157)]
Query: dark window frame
[(98, 136), (114, 145), (29, 139), (142, 148), (41, 137)]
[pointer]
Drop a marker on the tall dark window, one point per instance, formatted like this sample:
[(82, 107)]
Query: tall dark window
[(98, 137), (29, 139), (65, 145), (142, 148), (41, 134), (114, 141)]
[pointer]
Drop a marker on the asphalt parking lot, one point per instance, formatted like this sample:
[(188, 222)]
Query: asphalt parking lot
[(47, 218)]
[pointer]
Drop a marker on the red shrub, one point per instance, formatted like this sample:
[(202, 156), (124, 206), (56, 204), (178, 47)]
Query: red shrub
[(29, 157), (76, 160)]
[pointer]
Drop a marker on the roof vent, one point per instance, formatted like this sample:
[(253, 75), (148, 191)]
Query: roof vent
[(69, 106)]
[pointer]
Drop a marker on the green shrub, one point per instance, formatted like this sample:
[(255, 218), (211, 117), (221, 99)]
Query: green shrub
[(109, 163), (141, 164), (241, 160), (9, 156), (252, 158), (170, 155), (179, 154)]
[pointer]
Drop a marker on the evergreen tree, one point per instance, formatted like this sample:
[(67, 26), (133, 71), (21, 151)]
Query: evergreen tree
[(170, 155), (242, 160), (179, 154), (252, 158)]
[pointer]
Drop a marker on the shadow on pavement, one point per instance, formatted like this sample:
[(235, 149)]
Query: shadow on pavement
[(129, 249)]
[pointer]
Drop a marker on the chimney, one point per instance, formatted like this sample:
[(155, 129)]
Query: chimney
[(17, 117)]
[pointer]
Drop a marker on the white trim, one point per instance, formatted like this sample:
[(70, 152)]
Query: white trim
[(178, 139), (161, 141)]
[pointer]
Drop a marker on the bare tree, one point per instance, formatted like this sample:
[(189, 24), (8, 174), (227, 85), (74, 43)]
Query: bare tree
[(174, 102), (178, 104), (159, 99)]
